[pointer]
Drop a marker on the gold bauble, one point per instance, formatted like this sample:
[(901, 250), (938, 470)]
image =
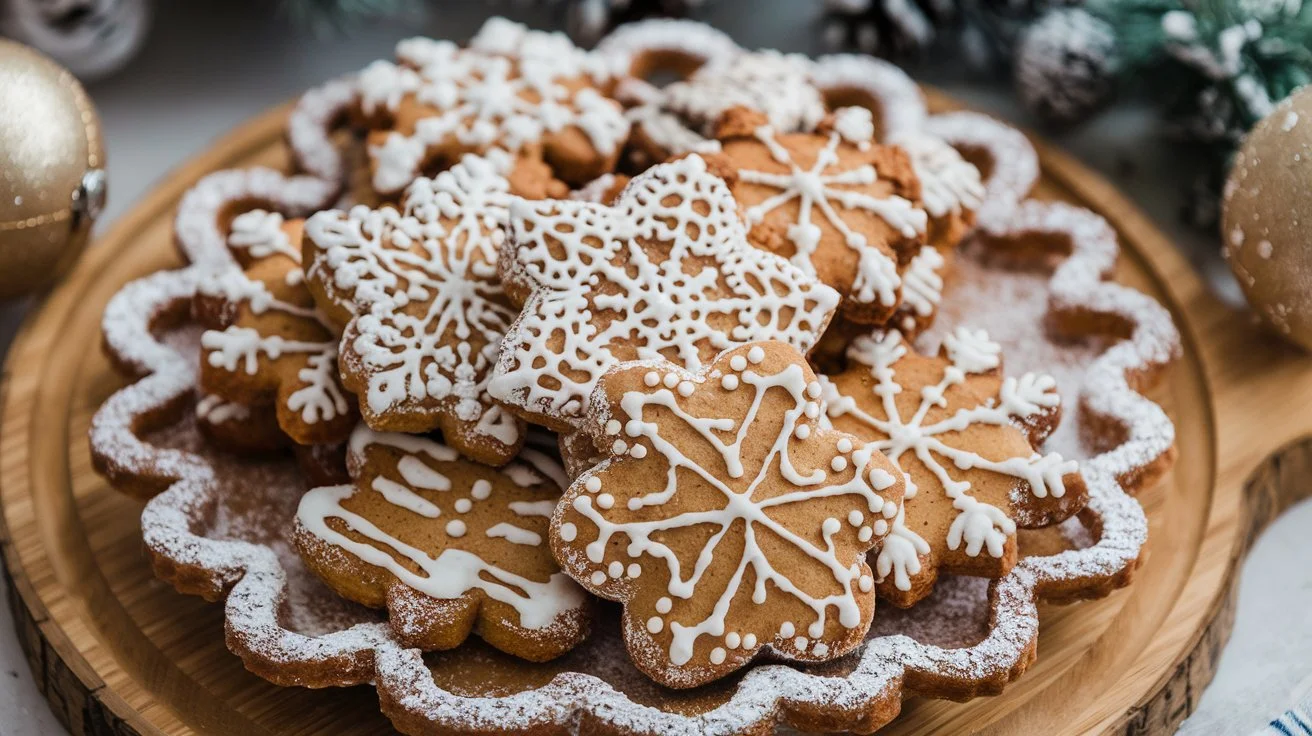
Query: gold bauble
[(52, 179)]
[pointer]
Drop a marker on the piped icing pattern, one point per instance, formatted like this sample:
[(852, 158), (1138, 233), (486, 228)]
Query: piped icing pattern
[(965, 438), (512, 88), (664, 273), (452, 536), (272, 345), (424, 310), (826, 195), (725, 519)]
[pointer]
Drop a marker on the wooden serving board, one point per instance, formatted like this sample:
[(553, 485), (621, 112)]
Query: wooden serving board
[(117, 652)]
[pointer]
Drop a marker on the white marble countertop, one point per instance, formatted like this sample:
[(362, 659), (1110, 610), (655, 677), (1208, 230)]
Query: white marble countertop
[(209, 65)]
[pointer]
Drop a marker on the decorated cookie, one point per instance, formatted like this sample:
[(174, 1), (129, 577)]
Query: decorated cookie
[(965, 437), (424, 310), (666, 272), (681, 117), (513, 88), (725, 519), (270, 346), (838, 206), (449, 547), (951, 189), (239, 428)]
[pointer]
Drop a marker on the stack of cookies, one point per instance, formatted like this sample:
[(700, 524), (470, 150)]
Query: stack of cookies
[(542, 334)]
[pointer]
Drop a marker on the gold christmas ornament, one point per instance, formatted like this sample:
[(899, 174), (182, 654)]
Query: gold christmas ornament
[(1266, 220), (52, 177)]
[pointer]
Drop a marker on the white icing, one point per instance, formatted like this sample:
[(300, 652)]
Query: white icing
[(454, 571), (949, 184), (659, 417), (977, 526), (576, 256), (922, 282), (429, 310), (514, 534), (831, 189)]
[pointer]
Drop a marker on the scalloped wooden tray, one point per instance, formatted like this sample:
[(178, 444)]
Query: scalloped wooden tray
[(117, 652)]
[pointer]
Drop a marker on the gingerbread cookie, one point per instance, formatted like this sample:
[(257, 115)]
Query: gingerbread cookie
[(666, 272), (725, 519), (950, 186), (965, 438), (447, 546), (270, 345), (839, 206), (418, 291), (513, 88), (239, 428)]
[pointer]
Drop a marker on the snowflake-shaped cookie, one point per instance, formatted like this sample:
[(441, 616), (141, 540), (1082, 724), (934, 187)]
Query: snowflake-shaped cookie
[(837, 205), (681, 117), (270, 345), (726, 520), (665, 273), (424, 310), (512, 88), (965, 437), (447, 545)]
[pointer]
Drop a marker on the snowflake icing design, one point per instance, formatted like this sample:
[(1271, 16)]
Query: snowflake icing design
[(726, 519), (664, 273), (833, 189), (276, 343), (511, 88), (425, 307), (939, 436)]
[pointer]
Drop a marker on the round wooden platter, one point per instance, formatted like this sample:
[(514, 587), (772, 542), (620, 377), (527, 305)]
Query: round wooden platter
[(117, 652)]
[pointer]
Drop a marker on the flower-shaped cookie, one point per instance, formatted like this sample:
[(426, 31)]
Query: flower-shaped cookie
[(726, 520), (270, 345), (424, 311), (837, 205), (512, 88), (965, 437), (665, 272), (446, 545)]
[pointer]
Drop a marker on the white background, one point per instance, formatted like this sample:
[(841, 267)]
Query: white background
[(207, 66)]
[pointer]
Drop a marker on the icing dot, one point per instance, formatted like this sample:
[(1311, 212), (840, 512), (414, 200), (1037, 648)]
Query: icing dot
[(655, 624), (865, 534), (605, 501), (813, 389), (639, 451), (651, 379), (815, 629), (729, 382), (671, 380), (830, 526), (593, 484), (619, 447), (633, 428), (717, 655), (733, 640), (738, 362), (865, 583), (455, 528), (839, 463), (855, 517), (812, 410), (613, 427), (568, 531), (803, 431), (800, 642), (598, 577), (881, 527), (634, 570), (889, 510), (663, 605), (749, 641), (844, 444), (686, 388), (787, 629), (481, 489), (756, 354), (820, 649), (463, 505), (616, 569)]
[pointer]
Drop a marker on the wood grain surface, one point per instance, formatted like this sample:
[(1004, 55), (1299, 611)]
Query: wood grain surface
[(117, 652)]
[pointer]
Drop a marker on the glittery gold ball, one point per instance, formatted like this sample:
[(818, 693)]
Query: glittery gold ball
[(1267, 218), (52, 182)]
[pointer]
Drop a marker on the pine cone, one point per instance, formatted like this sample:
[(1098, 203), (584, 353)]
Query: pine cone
[(1065, 66)]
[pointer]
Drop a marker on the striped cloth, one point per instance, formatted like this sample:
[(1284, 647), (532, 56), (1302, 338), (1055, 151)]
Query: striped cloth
[(1296, 721)]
